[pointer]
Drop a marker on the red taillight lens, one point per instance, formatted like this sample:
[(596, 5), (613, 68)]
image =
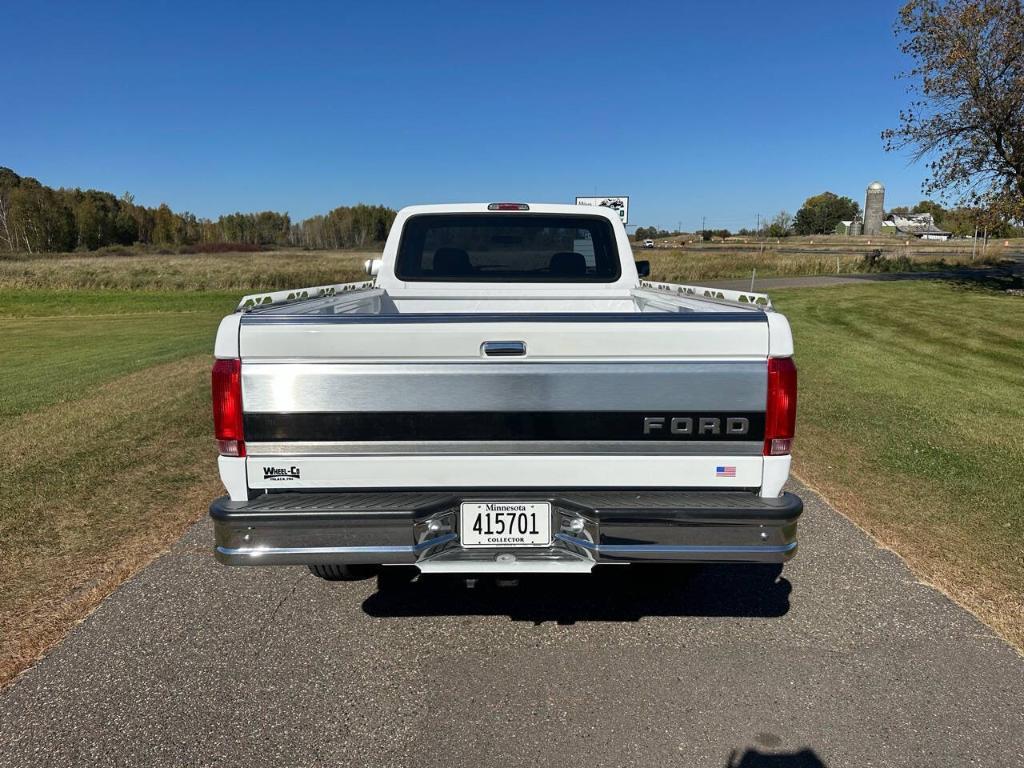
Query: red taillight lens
[(780, 415), (227, 407)]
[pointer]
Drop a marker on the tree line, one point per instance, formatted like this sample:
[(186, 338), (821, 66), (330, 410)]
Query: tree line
[(653, 233), (38, 218)]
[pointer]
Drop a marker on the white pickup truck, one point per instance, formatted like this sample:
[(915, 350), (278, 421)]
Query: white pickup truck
[(506, 395)]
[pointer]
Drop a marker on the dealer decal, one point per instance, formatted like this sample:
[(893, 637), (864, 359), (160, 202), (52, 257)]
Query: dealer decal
[(281, 473)]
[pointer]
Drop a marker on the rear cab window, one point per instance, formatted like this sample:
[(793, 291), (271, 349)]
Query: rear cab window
[(508, 247)]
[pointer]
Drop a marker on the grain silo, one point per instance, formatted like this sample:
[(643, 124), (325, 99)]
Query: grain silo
[(874, 209)]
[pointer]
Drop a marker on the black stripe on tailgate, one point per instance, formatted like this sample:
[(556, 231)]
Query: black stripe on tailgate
[(498, 426)]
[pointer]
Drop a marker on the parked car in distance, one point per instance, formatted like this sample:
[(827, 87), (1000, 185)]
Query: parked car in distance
[(648, 243)]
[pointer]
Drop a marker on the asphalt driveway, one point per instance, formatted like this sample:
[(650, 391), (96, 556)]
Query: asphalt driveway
[(846, 660)]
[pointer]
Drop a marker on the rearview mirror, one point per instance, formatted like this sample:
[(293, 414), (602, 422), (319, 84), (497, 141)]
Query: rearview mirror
[(643, 268), (372, 267)]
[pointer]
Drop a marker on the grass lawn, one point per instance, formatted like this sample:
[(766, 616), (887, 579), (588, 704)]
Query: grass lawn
[(910, 421), (105, 449), (910, 418), (60, 345)]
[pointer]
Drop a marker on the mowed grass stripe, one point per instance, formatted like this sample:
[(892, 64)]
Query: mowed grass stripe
[(93, 303), (50, 359), (91, 490), (909, 419)]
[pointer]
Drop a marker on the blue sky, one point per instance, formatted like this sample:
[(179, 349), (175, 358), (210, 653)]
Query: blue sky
[(716, 110)]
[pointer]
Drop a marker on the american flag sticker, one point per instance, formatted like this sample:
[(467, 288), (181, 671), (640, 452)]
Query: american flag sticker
[(725, 471)]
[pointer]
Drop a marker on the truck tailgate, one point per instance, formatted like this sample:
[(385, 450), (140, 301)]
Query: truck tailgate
[(664, 400)]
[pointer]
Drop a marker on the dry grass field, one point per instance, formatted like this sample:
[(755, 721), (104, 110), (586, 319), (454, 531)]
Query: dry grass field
[(272, 270), (793, 257), (240, 272)]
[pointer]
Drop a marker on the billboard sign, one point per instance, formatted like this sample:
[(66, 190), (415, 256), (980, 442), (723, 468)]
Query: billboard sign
[(618, 204)]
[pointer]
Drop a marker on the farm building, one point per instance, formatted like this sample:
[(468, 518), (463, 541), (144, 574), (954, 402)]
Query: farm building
[(852, 227), (920, 225)]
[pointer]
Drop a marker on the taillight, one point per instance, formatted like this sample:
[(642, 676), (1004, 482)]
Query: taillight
[(780, 415), (227, 407)]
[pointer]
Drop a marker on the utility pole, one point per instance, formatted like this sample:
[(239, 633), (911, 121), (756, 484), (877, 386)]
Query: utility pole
[(702, 230)]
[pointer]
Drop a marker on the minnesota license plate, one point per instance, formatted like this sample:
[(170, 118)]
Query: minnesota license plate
[(505, 524)]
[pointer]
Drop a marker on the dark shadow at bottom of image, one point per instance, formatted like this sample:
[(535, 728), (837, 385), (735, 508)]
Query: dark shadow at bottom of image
[(755, 758)]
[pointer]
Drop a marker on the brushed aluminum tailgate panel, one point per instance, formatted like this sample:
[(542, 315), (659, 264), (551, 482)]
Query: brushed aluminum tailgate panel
[(283, 387)]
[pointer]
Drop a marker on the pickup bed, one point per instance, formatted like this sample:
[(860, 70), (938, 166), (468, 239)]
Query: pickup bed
[(505, 395)]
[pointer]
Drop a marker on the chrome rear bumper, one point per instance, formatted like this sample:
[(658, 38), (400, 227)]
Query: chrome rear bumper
[(589, 527)]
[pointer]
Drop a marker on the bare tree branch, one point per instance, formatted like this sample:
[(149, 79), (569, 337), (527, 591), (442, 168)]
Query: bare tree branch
[(969, 121)]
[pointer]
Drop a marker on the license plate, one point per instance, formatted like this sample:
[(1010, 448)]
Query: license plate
[(505, 524)]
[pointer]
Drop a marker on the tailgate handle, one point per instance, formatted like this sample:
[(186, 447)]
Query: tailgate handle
[(503, 348)]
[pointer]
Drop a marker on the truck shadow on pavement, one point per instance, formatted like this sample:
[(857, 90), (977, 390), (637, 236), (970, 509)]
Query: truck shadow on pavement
[(753, 758), (614, 593)]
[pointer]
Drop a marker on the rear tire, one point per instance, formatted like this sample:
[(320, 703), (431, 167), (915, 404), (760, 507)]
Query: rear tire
[(344, 572)]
